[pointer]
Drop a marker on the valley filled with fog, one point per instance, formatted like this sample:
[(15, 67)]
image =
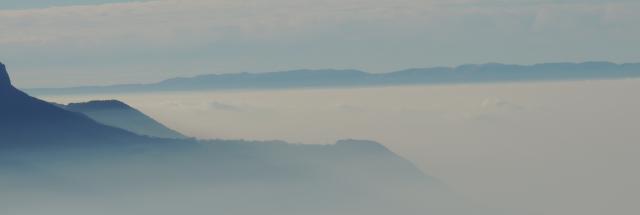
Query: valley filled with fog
[(521, 148)]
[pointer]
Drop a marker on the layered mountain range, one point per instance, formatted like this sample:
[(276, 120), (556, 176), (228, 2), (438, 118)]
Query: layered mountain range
[(94, 158)]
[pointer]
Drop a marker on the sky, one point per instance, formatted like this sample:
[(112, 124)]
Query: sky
[(530, 148), (85, 42)]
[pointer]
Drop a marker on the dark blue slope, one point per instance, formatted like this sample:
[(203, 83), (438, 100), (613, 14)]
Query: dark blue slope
[(27, 121)]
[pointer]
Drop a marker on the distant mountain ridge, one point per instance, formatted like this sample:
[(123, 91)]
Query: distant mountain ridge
[(472, 73)]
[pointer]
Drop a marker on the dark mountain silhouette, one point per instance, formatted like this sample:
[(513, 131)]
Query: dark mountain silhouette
[(118, 114), (483, 73), (56, 160), (27, 121), (5, 81)]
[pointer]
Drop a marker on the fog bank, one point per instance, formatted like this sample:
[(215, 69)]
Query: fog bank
[(526, 148)]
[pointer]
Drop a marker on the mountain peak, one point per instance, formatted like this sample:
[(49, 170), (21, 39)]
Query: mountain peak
[(120, 115), (99, 105), (4, 76)]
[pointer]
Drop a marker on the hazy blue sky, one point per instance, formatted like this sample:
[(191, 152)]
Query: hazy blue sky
[(32, 4), (81, 42)]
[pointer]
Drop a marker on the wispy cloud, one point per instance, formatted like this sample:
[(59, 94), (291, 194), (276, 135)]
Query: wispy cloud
[(226, 107), (201, 21), (170, 20)]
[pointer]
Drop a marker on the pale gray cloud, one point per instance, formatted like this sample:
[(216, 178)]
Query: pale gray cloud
[(498, 103), (226, 107)]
